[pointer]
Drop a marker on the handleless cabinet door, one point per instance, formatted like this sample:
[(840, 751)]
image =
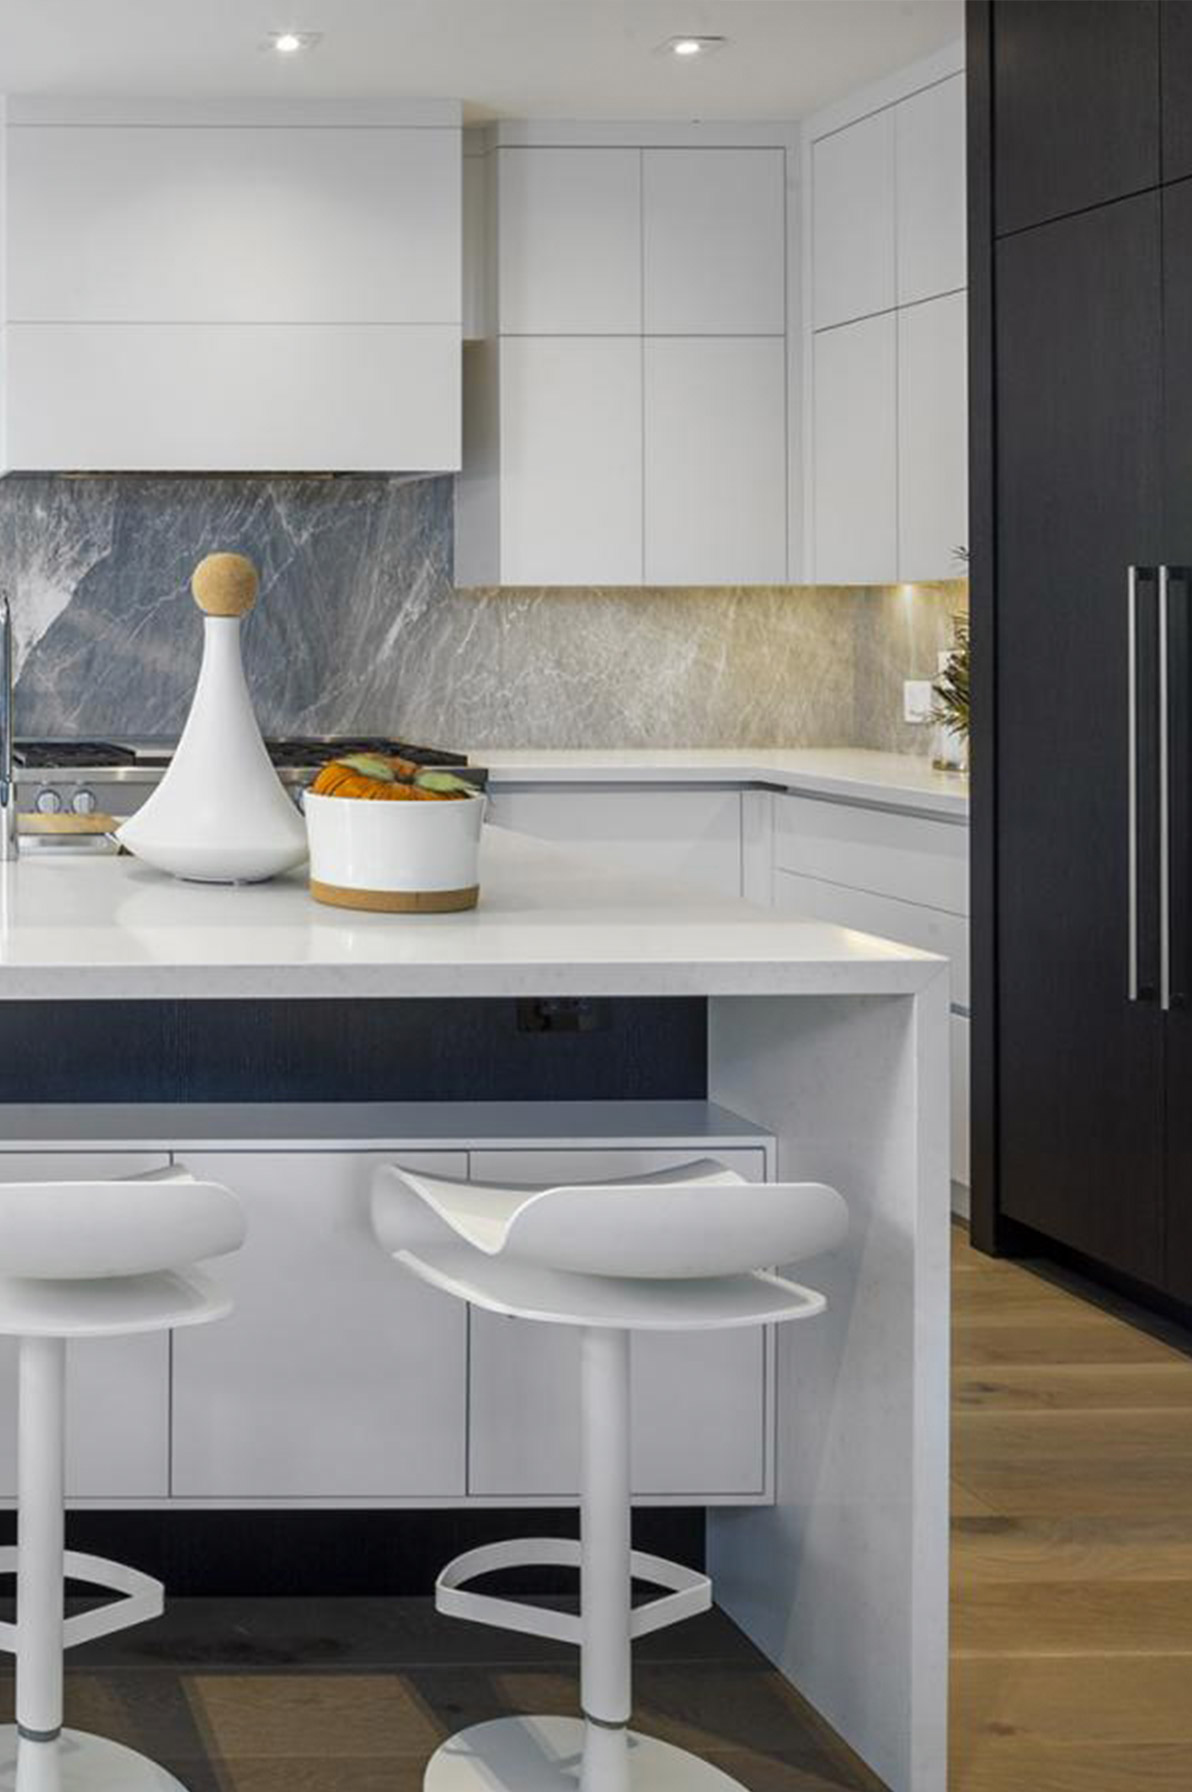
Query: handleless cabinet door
[(338, 1375), (855, 470), (932, 437), (569, 243), (1076, 106), (117, 1389), (715, 460), (1078, 308), (282, 225), (1175, 51), (930, 154), (1177, 552), (714, 234), (852, 221), (700, 1402), (571, 460)]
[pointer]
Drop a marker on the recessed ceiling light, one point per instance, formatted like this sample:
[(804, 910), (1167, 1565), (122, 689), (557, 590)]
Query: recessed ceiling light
[(691, 46), (288, 43)]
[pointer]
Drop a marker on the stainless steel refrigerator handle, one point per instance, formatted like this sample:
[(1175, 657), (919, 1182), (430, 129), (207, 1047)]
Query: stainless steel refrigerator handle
[(1164, 805), (1132, 761)]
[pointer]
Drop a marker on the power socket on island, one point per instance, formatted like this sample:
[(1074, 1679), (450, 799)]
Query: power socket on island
[(918, 699)]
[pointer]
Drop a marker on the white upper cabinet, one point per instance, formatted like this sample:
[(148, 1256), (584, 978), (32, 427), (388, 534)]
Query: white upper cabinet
[(930, 160), (328, 226), (571, 460), (855, 453), (569, 244), (932, 437), (629, 424), (714, 235), (232, 287), (715, 460), (852, 172)]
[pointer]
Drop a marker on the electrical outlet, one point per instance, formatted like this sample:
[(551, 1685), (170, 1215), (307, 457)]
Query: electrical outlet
[(918, 700)]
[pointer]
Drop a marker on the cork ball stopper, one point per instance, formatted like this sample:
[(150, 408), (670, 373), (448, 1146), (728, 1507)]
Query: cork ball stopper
[(225, 585)]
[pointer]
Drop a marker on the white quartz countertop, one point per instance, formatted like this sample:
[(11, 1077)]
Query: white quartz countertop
[(551, 921), (856, 774)]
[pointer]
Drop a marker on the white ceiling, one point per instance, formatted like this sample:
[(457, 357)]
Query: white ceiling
[(504, 58)]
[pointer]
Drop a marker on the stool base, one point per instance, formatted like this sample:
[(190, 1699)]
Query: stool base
[(77, 1763), (545, 1754)]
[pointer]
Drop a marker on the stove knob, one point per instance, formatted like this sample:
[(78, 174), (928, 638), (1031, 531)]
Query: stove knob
[(48, 802), (83, 801)]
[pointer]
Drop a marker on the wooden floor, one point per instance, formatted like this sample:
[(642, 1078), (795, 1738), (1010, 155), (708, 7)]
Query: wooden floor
[(1072, 1543), (1072, 1612)]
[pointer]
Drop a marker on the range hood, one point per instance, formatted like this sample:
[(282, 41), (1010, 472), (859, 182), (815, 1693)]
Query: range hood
[(231, 287)]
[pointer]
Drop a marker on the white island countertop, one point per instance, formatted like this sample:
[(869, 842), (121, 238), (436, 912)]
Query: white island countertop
[(550, 921), (849, 774)]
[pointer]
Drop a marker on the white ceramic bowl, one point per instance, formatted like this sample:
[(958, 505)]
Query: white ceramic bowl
[(394, 856)]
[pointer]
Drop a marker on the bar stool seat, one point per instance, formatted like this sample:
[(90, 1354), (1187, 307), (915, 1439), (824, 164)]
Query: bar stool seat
[(87, 1260), (684, 1250)]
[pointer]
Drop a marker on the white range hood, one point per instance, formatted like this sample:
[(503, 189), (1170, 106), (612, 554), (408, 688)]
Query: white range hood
[(231, 286)]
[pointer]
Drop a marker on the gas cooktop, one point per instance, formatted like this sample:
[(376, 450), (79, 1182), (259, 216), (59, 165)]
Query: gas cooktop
[(291, 752)]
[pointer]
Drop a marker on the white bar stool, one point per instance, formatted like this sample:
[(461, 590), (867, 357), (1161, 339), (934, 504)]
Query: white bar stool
[(680, 1251), (87, 1260)]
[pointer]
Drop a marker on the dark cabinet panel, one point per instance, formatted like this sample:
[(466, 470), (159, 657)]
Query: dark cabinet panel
[(1079, 499), (1076, 106), (1177, 438), (1176, 57)]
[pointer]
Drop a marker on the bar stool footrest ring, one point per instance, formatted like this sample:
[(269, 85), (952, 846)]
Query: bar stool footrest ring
[(688, 1590), (141, 1598)]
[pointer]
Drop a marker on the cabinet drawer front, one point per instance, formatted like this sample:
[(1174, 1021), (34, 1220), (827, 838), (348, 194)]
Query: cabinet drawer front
[(226, 397), (906, 856), (909, 923), (960, 1100), (123, 223), (691, 834), (117, 1389), (337, 1375), (700, 1403)]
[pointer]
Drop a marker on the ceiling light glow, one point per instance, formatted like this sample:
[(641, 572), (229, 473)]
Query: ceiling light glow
[(690, 46), (289, 43)]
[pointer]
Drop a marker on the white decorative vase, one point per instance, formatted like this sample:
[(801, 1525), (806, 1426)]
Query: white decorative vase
[(220, 814)]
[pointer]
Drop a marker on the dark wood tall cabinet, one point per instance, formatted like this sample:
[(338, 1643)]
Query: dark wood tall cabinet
[(1081, 471)]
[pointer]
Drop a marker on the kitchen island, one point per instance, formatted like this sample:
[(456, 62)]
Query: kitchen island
[(825, 1049)]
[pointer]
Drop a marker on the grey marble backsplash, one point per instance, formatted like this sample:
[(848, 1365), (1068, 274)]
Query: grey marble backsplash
[(359, 627)]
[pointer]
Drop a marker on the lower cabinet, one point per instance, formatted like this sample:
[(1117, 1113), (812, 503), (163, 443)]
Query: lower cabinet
[(338, 1375), (694, 835), (118, 1389), (699, 1402)]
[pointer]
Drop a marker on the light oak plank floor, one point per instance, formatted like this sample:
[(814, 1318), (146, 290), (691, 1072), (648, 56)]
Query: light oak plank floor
[(1072, 1542)]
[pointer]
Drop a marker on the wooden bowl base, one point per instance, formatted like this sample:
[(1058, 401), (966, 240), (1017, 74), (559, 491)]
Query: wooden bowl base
[(396, 902)]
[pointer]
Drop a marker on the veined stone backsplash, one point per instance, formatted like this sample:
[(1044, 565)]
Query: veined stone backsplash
[(359, 628)]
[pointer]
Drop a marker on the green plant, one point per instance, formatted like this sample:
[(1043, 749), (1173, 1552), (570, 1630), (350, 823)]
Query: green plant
[(952, 686)]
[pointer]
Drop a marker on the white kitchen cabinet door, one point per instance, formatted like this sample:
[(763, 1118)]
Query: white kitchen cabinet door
[(239, 397), (714, 234), (932, 438), (117, 1389), (855, 453), (930, 157), (961, 1086), (135, 224), (338, 1375), (715, 460), (571, 460), (569, 255), (692, 835), (699, 1401), (852, 212)]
